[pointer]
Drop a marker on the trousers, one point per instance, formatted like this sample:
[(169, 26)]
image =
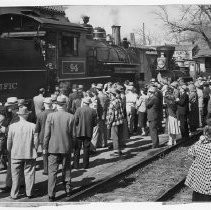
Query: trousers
[(131, 118), (198, 197), (86, 141), (153, 129), (184, 126), (117, 136), (17, 169), (103, 133), (53, 164)]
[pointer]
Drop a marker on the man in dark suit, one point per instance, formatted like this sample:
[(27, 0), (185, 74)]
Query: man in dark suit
[(183, 110), (58, 144), (72, 96), (85, 121), (40, 129), (153, 108)]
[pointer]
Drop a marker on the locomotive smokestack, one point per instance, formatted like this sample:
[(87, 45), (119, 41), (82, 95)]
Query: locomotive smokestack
[(116, 34)]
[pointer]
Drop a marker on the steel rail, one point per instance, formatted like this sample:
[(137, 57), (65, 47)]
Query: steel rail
[(89, 190), (171, 192)]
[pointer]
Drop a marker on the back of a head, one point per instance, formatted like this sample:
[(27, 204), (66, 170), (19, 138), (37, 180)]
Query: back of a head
[(41, 91)]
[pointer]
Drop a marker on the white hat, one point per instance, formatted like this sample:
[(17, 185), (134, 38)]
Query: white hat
[(47, 100), (11, 101), (61, 100)]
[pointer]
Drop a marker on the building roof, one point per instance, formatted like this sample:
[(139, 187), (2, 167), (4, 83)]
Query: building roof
[(184, 47), (203, 53)]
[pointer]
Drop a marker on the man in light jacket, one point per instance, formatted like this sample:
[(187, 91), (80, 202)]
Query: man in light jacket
[(22, 144)]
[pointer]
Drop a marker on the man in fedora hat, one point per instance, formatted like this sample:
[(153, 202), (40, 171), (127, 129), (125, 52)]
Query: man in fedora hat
[(103, 106), (58, 144), (40, 128), (22, 144), (115, 120), (153, 108), (183, 111), (53, 99), (85, 121), (38, 101), (11, 107)]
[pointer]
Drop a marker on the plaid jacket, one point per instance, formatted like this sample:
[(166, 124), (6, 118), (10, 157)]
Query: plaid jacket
[(115, 114), (199, 175)]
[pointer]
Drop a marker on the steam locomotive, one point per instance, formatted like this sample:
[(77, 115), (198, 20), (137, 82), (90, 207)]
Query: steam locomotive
[(39, 47)]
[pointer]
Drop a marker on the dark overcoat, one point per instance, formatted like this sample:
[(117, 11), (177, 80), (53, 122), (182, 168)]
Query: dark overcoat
[(85, 121)]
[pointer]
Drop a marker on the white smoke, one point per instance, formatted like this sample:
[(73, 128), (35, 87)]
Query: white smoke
[(114, 13)]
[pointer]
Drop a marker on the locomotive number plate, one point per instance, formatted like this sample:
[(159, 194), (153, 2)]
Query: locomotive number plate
[(73, 67)]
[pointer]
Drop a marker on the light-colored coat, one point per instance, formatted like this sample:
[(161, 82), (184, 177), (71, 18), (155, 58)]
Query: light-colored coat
[(21, 140), (38, 103), (58, 132)]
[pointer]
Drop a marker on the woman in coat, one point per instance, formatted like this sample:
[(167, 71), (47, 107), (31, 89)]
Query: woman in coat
[(172, 122), (198, 178)]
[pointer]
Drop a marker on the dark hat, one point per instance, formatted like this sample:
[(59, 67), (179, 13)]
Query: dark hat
[(74, 86), (23, 111), (2, 111)]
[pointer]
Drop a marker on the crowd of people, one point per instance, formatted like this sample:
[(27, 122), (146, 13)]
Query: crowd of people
[(64, 123)]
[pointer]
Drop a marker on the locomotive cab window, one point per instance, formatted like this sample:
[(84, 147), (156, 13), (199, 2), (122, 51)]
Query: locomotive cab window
[(69, 44)]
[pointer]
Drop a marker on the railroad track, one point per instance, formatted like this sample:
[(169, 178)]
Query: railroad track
[(169, 194), (85, 192)]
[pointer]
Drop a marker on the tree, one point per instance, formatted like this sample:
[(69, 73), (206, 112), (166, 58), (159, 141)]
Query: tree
[(151, 38), (193, 19)]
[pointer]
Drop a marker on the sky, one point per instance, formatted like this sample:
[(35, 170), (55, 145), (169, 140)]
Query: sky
[(129, 17)]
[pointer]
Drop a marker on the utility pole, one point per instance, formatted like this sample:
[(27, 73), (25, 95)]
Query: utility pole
[(144, 38)]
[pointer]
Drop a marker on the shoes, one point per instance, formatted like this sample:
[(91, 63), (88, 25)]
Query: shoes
[(68, 192), (13, 198), (5, 189), (92, 153), (45, 173), (110, 147), (51, 199), (74, 167), (29, 197), (116, 154)]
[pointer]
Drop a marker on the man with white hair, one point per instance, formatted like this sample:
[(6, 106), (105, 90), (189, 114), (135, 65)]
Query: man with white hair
[(40, 129), (58, 144)]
